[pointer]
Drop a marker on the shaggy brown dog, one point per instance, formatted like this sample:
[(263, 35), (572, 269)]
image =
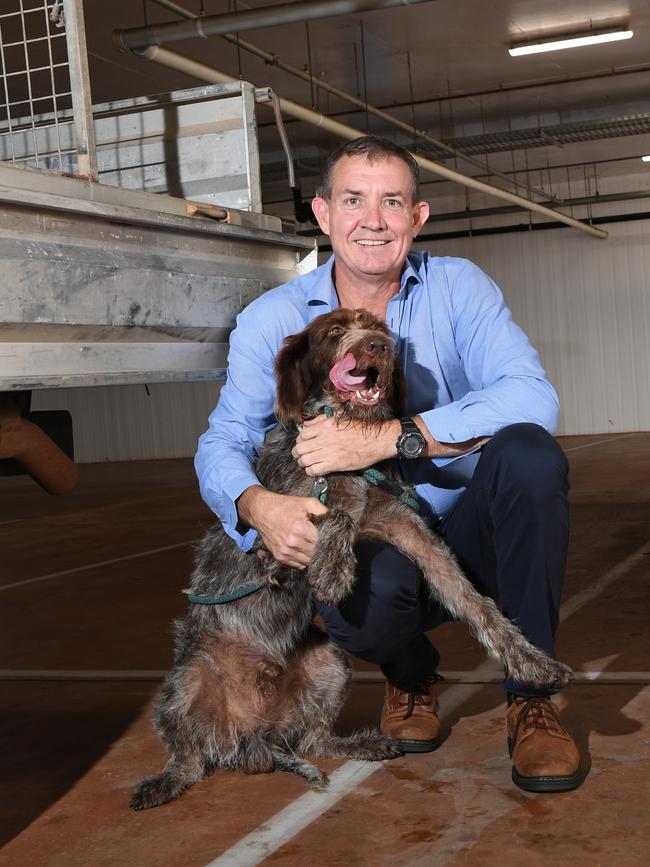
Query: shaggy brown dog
[(254, 686)]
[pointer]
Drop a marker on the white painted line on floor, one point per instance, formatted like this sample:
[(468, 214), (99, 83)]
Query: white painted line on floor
[(95, 565), (492, 675), (268, 838), (613, 438), (77, 674), (582, 597), (283, 826)]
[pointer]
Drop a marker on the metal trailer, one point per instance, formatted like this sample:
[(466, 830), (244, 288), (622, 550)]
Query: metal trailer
[(106, 285)]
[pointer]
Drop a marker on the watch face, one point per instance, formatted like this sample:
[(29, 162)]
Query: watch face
[(412, 445)]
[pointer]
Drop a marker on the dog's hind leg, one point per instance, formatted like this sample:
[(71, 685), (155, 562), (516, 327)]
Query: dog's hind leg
[(315, 777), (449, 586), (179, 774), (366, 745)]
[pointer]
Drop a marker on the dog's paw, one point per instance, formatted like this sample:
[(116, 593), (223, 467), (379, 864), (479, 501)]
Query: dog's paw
[(152, 792), (331, 588), (319, 781), (542, 671), (377, 748), (563, 675)]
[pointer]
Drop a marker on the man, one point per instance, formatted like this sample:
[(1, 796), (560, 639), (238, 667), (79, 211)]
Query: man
[(476, 444)]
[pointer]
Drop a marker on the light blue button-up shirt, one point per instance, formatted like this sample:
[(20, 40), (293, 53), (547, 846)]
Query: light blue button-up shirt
[(470, 371)]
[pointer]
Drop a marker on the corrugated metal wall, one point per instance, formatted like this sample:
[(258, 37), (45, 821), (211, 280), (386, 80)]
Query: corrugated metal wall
[(585, 304)]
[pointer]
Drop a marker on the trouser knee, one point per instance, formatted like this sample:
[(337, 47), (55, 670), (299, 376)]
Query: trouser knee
[(383, 613), (526, 458)]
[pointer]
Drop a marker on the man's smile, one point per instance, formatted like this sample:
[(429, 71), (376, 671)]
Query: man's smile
[(368, 243)]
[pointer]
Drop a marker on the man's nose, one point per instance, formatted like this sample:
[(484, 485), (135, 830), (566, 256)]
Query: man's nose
[(373, 217)]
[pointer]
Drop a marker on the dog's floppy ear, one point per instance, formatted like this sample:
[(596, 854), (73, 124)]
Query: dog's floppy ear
[(293, 377)]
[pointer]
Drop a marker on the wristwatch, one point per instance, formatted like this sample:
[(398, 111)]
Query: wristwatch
[(410, 443)]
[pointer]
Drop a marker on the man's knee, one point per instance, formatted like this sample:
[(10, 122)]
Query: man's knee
[(383, 612), (527, 457)]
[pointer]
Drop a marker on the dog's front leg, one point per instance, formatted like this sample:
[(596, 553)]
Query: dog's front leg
[(396, 524), (332, 568)]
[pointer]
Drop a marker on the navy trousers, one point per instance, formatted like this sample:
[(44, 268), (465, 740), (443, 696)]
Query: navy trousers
[(509, 531)]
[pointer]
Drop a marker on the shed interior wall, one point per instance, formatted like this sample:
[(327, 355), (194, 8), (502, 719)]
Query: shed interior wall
[(584, 303)]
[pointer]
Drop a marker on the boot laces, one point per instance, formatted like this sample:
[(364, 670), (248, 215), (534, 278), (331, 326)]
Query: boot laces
[(418, 691), (538, 713)]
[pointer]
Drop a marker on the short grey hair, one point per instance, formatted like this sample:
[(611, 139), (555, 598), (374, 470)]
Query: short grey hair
[(372, 147)]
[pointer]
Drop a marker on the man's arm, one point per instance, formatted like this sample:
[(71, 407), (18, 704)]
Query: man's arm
[(228, 450), (324, 447)]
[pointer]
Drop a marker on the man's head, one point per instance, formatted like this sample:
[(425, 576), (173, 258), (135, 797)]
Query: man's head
[(369, 208)]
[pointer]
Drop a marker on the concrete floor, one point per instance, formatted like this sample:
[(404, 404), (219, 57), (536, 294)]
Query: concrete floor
[(90, 583)]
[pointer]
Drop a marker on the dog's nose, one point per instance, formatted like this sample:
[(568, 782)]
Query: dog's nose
[(376, 346)]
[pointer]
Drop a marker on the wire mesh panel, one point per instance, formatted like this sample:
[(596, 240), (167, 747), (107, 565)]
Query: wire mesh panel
[(44, 92)]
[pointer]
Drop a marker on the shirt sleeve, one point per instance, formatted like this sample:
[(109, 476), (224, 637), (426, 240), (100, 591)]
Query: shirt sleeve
[(229, 448), (507, 381)]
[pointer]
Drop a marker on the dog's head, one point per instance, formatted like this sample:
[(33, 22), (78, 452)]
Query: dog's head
[(346, 359)]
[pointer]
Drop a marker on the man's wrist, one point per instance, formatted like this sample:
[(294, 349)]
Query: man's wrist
[(248, 504)]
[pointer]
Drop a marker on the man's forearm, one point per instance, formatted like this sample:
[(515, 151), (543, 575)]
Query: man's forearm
[(386, 442)]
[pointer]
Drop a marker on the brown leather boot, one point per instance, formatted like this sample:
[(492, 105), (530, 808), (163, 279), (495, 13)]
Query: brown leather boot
[(410, 716), (544, 756)]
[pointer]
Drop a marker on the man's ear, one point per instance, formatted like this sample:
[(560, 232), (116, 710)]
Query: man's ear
[(321, 209), (420, 216), (293, 377)]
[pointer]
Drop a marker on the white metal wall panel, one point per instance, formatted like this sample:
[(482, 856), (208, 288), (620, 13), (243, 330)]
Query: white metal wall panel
[(123, 423), (586, 306)]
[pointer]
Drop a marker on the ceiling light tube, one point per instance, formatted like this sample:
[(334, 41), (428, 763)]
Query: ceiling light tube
[(570, 42), (646, 159)]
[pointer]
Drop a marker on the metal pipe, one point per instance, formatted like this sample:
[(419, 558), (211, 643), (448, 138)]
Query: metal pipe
[(274, 60), (173, 60), (271, 97), (249, 19), (23, 441)]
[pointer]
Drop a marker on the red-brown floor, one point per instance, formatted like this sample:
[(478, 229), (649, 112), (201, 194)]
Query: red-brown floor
[(90, 583)]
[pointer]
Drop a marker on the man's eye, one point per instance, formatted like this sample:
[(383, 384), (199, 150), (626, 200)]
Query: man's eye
[(393, 203), (352, 201)]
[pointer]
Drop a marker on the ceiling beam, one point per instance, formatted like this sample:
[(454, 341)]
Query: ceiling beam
[(249, 19), (203, 72)]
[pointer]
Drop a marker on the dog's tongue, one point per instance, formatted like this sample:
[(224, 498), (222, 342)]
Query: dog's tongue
[(341, 376)]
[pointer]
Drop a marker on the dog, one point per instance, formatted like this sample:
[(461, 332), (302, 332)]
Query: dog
[(254, 685)]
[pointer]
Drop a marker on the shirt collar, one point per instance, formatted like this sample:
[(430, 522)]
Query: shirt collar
[(323, 292)]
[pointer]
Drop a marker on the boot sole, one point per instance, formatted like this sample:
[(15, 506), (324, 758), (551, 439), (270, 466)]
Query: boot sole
[(548, 784), (413, 746)]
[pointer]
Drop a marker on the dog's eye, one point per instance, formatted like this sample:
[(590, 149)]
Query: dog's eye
[(335, 331)]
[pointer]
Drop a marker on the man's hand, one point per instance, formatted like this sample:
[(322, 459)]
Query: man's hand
[(324, 447), (283, 522)]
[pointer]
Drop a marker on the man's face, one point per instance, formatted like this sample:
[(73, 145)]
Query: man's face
[(370, 218)]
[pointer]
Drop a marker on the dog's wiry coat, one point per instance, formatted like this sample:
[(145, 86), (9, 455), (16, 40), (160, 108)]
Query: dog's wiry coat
[(254, 686)]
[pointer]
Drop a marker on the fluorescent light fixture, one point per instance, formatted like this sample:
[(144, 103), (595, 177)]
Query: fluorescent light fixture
[(646, 159), (571, 42)]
